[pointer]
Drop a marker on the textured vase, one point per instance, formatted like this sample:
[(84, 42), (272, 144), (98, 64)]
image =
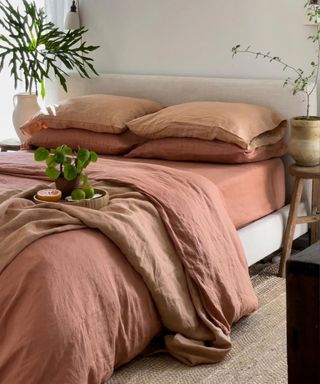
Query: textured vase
[(25, 106), (304, 142)]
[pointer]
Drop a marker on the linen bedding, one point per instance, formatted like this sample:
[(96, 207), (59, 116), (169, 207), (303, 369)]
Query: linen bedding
[(84, 291), (250, 191)]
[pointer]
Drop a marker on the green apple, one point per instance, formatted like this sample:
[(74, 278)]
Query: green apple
[(88, 190), (78, 194)]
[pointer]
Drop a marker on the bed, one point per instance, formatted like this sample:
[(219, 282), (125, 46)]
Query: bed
[(264, 234), (65, 271)]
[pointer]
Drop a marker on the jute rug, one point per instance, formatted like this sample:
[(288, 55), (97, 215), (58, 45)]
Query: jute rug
[(259, 347)]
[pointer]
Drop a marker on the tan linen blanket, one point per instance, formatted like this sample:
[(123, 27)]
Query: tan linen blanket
[(173, 229)]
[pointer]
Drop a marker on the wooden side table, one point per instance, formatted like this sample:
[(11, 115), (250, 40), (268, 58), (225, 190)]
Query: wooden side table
[(301, 174), (10, 145)]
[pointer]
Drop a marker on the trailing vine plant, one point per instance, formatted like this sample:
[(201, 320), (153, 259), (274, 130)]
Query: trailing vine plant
[(301, 81), (34, 48)]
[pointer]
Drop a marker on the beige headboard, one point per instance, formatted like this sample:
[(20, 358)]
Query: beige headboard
[(170, 90)]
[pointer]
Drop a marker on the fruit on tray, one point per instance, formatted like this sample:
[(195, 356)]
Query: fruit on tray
[(85, 192), (88, 190), (78, 194), (49, 195)]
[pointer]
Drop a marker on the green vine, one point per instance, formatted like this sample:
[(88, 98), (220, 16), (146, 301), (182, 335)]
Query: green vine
[(301, 81)]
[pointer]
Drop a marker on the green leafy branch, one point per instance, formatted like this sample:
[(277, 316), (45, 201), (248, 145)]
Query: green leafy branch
[(301, 81), (34, 48)]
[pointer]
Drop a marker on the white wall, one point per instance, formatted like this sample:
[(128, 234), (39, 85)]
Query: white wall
[(194, 37)]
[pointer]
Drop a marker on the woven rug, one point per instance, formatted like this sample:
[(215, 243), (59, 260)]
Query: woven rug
[(259, 346)]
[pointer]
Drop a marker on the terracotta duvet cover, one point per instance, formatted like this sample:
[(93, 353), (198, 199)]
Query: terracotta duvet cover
[(84, 291)]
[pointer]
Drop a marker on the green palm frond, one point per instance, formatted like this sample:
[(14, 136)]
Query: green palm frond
[(34, 48)]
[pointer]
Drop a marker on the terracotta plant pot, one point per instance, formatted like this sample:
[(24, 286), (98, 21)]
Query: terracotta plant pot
[(66, 186), (304, 142)]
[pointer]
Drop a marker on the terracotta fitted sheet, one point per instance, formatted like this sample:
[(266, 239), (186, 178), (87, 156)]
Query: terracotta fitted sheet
[(250, 191)]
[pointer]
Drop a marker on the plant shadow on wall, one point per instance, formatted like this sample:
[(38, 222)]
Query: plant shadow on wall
[(304, 142), (36, 50)]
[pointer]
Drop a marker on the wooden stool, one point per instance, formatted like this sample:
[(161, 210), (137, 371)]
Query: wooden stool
[(301, 174)]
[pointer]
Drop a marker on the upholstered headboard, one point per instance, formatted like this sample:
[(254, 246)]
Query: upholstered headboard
[(170, 90)]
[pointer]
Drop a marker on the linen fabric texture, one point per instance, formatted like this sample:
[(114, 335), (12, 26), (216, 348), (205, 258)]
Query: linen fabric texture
[(101, 143), (247, 125), (97, 113), (216, 151), (198, 248)]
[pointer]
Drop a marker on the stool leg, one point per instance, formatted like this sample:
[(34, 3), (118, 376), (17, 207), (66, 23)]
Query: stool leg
[(291, 224), (315, 209)]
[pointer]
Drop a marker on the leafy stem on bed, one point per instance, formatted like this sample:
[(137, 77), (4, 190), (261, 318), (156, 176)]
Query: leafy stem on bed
[(35, 49), (62, 162), (302, 82)]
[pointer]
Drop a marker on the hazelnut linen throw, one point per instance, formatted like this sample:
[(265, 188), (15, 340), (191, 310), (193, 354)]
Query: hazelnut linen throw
[(172, 228)]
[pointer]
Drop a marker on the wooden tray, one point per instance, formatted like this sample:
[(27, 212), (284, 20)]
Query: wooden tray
[(100, 199)]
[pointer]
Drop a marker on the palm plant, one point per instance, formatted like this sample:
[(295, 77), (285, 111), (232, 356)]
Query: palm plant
[(35, 49)]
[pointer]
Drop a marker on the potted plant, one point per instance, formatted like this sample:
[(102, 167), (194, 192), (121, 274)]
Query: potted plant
[(34, 50), (304, 142), (66, 167)]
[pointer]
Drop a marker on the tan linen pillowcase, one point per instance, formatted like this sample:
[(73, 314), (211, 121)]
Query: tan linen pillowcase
[(188, 149), (101, 143), (234, 123), (97, 113)]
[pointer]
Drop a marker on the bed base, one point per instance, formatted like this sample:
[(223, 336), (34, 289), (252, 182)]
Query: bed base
[(264, 236)]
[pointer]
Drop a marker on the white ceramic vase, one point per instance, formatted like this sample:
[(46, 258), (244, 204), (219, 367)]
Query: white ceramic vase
[(304, 142), (25, 106)]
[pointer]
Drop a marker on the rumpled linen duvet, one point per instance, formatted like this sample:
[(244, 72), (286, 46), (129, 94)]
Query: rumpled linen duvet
[(84, 291)]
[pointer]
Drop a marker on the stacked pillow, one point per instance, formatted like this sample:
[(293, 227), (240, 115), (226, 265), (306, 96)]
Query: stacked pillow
[(96, 122), (101, 143), (197, 131), (211, 131), (185, 149)]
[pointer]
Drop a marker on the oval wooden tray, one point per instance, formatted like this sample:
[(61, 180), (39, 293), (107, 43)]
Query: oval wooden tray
[(93, 203)]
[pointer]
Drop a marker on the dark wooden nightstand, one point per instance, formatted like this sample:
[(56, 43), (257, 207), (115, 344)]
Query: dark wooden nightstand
[(10, 145), (301, 174), (303, 316)]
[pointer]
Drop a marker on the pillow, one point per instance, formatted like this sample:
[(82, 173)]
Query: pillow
[(97, 113), (234, 123), (184, 149), (101, 143)]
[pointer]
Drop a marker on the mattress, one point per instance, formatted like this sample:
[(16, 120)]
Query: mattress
[(250, 191)]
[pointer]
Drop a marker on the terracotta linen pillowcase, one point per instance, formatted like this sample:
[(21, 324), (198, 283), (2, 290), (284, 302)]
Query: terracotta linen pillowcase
[(101, 143), (186, 149), (97, 113), (235, 123)]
